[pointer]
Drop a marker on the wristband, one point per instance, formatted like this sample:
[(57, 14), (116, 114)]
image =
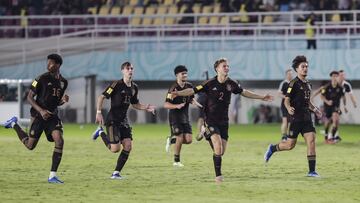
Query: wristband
[(98, 111)]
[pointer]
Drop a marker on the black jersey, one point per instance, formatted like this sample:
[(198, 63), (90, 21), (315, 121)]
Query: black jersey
[(283, 88), (49, 92), (121, 97), (177, 116), (218, 99), (332, 93), (299, 93), (347, 87)]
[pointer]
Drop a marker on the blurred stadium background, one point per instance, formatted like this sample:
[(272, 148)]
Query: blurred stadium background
[(260, 38)]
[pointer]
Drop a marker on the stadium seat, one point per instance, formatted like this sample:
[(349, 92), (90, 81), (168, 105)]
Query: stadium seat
[(172, 10), (168, 2), (127, 10), (133, 2), (203, 20), (135, 21), (216, 8), (115, 10), (146, 21), (150, 10), (138, 11), (158, 21), (214, 20), (207, 9), (92, 10), (224, 20), (196, 8)]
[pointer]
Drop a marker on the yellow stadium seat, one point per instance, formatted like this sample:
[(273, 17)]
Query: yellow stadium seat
[(217, 8), (162, 10), (150, 10), (203, 20), (214, 20), (133, 2), (135, 21), (169, 21), (138, 11), (196, 8), (104, 10), (127, 10), (146, 21), (183, 8), (115, 10), (158, 21), (224, 20), (92, 10), (335, 18), (168, 2), (268, 19), (207, 9), (172, 10)]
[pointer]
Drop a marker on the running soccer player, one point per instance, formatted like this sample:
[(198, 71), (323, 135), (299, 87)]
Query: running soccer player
[(119, 133), (49, 89), (298, 104), (218, 91)]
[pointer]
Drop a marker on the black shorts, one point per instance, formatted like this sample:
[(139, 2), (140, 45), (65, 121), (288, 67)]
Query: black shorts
[(180, 129), (329, 110), (116, 133), (221, 130), (38, 125), (294, 128), (284, 111)]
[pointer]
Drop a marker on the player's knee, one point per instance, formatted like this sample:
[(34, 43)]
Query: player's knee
[(114, 149)]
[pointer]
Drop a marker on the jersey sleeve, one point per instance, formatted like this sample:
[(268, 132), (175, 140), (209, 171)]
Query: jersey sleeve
[(236, 88), (202, 88), (134, 99), (291, 90), (109, 90), (348, 88), (36, 85), (323, 90), (168, 95)]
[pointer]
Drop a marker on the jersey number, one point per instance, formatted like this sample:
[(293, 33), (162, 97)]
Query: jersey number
[(56, 92), (127, 99), (221, 96)]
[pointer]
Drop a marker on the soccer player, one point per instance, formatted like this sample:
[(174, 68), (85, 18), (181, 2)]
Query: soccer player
[(179, 112), (331, 94), (49, 89), (122, 93), (282, 92), (347, 87), (298, 105), (218, 91)]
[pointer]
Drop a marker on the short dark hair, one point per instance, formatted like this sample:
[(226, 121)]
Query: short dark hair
[(179, 69), (341, 71), (56, 57), (297, 61), (217, 62), (125, 64), (334, 72)]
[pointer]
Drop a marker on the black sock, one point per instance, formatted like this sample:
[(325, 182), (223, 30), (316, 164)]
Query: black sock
[(274, 148), (312, 162), (333, 132), (327, 130), (176, 158), (56, 159), (217, 164), (105, 139), (123, 157), (21, 134)]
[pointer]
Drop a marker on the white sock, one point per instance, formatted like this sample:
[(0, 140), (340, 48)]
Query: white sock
[(12, 124), (52, 174)]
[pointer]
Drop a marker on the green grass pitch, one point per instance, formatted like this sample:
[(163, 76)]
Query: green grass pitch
[(150, 176)]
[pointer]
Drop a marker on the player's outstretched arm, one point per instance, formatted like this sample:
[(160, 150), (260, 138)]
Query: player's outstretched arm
[(315, 109), (186, 92), (196, 103), (169, 105), (253, 95), (148, 107)]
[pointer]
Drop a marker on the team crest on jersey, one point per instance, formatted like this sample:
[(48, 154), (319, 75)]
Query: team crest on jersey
[(228, 87)]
